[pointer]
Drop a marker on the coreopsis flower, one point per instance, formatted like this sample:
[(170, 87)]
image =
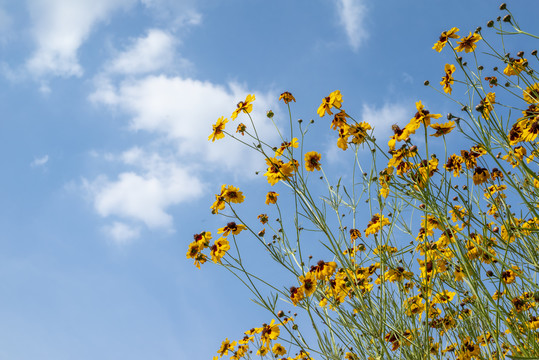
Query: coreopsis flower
[(421, 116), (486, 105), (286, 145), (271, 197), (414, 306), (468, 43), (241, 129), (531, 94), (468, 349), (233, 195), (359, 132), (278, 170), (444, 37), (263, 351), (454, 163), (269, 332), (219, 249), (308, 283), (339, 120), (333, 100), (492, 81), (296, 295), (218, 129), (442, 129), (244, 106), (375, 225), (203, 238), (231, 227), (312, 161), (263, 218), (324, 270), (398, 274), (278, 350), (508, 276), (287, 97), (354, 234), (225, 347), (399, 135), (447, 79), (515, 66), (342, 142), (444, 297)]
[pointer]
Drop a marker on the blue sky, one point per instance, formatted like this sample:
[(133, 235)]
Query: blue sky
[(106, 108)]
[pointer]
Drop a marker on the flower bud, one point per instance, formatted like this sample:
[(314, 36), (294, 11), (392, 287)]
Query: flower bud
[(478, 30), (520, 54), (503, 6), (490, 23), (270, 114), (507, 18), (480, 67), (534, 52), (426, 83)]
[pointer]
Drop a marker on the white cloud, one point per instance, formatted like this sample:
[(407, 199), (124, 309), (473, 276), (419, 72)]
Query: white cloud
[(145, 194), (352, 17), (381, 119), (60, 27), (122, 233), (153, 52), (183, 110), (40, 161)]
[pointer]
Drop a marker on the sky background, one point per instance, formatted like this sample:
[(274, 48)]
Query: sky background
[(106, 106)]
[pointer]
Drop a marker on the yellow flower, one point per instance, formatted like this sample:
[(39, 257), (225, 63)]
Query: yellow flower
[(225, 347), (241, 129), (333, 100), (442, 129), (480, 175), (444, 297), (531, 94), (308, 283), (271, 198), (444, 37), (486, 105), (296, 294), (468, 43), (287, 97), (233, 195), (219, 249), (231, 227), (269, 332), (278, 350), (244, 106), (454, 163), (375, 225), (286, 145), (263, 218), (312, 161), (218, 129), (515, 67), (447, 79)]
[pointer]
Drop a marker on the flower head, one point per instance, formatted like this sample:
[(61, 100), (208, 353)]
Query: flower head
[(287, 97), (333, 100), (447, 79), (271, 197), (218, 129), (312, 161), (442, 129), (468, 43), (444, 37), (244, 106)]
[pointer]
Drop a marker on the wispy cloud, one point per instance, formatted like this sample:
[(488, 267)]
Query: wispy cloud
[(122, 233), (60, 27), (39, 161), (352, 15)]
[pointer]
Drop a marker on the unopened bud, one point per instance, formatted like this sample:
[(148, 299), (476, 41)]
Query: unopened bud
[(534, 52), (270, 114), (490, 23), (478, 29), (507, 18), (520, 54), (426, 83), (503, 6)]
